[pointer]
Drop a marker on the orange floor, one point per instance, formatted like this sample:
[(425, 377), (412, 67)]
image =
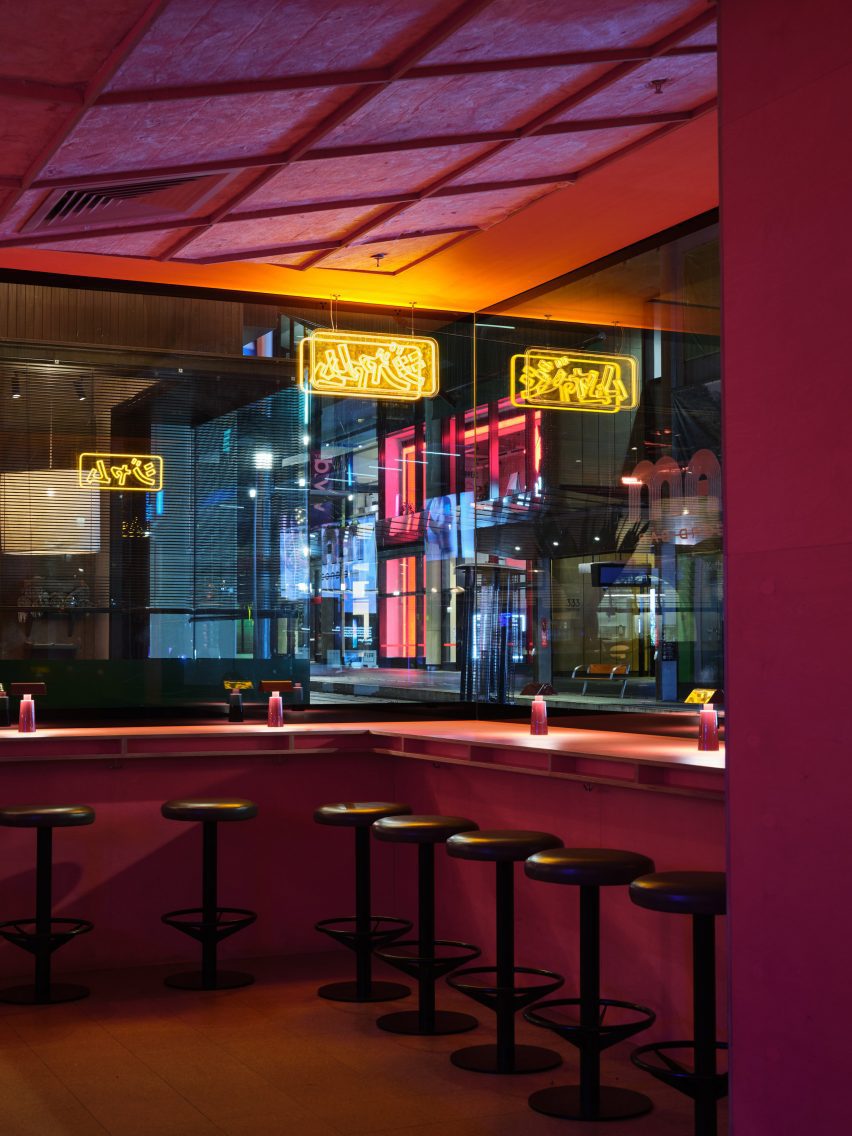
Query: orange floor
[(138, 1059)]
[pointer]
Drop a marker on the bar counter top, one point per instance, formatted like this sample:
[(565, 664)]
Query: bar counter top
[(631, 760)]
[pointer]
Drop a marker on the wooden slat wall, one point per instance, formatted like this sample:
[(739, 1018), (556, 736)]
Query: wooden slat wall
[(42, 314)]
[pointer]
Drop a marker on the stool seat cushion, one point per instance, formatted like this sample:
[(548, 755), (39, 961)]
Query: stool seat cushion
[(358, 814), (46, 816), (500, 844), (587, 867), (209, 808), (421, 829), (683, 893)]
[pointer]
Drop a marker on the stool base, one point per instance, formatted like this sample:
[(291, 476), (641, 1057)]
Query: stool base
[(58, 992), (527, 1059), (445, 1021), (613, 1103), (348, 992), (194, 980)]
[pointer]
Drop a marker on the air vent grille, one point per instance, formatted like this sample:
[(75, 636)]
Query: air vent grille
[(75, 208)]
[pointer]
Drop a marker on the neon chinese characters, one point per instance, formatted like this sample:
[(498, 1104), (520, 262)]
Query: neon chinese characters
[(574, 380), (121, 471), (403, 368)]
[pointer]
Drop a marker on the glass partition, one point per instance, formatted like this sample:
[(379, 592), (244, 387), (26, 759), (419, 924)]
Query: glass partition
[(549, 520)]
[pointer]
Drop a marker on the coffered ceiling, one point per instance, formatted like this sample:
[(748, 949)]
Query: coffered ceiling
[(372, 148)]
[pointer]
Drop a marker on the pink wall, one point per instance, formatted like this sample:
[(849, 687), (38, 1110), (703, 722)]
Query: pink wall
[(786, 196)]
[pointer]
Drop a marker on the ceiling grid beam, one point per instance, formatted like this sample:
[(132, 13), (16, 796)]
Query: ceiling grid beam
[(35, 90), (427, 43), (613, 75), (328, 153)]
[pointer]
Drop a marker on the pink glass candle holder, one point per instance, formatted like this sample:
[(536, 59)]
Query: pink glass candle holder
[(708, 727), (538, 715), (275, 712), (26, 715)]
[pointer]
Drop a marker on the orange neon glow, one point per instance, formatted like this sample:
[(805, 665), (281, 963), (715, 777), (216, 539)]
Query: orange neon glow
[(507, 425), (363, 365)]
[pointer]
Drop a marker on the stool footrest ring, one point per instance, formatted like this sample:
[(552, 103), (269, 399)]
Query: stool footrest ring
[(679, 1076), (383, 930), (600, 1036), (191, 921), (490, 996), (61, 931), (435, 964)]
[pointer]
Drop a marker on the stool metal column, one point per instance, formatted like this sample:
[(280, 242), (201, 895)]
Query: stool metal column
[(701, 895), (44, 934), (425, 958), (589, 869), (362, 932), (215, 923), (504, 848)]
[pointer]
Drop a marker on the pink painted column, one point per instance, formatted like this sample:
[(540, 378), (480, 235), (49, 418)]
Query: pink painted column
[(786, 189)]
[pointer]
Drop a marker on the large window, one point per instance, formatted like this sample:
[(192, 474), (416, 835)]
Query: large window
[(464, 547)]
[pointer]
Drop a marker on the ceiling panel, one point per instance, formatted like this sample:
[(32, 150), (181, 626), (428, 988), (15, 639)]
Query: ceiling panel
[(509, 28), (555, 154), (262, 233), (156, 135), (232, 40), (62, 43), (353, 177), (480, 209), (25, 127), (460, 104), (127, 244), (397, 254), (686, 81)]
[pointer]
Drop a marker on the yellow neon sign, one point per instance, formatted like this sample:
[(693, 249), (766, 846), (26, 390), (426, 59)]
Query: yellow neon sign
[(699, 695), (143, 472), (360, 364), (574, 380)]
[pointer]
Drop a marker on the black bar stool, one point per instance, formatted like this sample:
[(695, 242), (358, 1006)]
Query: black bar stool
[(362, 932), (215, 923), (589, 869), (425, 958), (504, 848), (44, 934), (701, 895)]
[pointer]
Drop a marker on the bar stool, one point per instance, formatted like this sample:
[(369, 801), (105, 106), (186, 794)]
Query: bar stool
[(701, 895), (44, 934), (504, 848), (589, 869), (215, 923), (362, 932), (432, 958)]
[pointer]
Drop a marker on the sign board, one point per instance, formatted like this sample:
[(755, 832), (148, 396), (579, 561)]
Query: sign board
[(551, 379), (365, 365), (143, 472), (608, 575), (700, 695)]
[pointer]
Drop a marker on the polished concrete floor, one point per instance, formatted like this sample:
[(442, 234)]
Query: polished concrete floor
[(138, 1059)]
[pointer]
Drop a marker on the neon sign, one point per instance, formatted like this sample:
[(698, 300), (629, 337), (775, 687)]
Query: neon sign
[(700, 695), (360, 364), (143, 472), (574, 380)]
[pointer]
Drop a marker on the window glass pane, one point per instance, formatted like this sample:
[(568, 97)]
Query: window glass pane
[(175, 521)]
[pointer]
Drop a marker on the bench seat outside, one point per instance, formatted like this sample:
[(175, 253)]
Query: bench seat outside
[(602, 672)]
